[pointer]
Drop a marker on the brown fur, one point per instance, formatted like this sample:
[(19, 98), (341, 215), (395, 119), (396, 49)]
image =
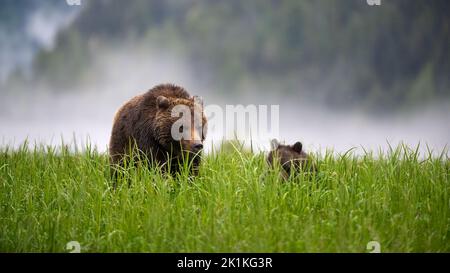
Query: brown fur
[(145, 121), (292, 158)]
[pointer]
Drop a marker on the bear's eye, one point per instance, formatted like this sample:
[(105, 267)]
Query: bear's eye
[(181, 129)]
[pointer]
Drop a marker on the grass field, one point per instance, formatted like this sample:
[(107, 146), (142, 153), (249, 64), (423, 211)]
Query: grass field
[(50, 196)]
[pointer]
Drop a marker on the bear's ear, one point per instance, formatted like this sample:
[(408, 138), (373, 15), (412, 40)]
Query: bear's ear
[(162, 102), (274, 144), (298, 147), (198, 100)]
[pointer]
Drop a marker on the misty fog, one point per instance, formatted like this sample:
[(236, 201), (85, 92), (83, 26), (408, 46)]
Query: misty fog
[(85, 112), (36, 31)]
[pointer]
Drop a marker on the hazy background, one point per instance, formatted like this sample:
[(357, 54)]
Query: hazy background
[(344, 73)]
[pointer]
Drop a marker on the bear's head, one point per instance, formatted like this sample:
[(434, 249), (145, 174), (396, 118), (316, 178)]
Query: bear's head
[(291, 157), (180, 124)]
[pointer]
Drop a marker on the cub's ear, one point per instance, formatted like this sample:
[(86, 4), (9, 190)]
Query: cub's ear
[(274, 144), (162, 102), (298, 147)]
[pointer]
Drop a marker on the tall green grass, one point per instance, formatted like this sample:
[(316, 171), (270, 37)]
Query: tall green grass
[(52, 195)]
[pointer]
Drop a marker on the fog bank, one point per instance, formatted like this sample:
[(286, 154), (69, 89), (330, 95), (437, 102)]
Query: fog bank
[(86, 111)]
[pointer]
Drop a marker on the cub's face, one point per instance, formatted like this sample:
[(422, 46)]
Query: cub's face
[(291, 157), (180, 124)]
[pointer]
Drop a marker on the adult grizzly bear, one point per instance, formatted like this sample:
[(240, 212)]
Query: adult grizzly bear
[(147, 122), (291, 157)]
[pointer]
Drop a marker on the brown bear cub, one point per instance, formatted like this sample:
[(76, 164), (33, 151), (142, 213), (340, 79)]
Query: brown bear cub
[(149, 123), (292, 158)]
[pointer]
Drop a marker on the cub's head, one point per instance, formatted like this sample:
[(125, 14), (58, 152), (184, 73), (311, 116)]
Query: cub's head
[(180, 124), (292, 158)]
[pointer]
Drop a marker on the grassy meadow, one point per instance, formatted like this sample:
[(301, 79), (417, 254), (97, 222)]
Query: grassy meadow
[(50, 196)]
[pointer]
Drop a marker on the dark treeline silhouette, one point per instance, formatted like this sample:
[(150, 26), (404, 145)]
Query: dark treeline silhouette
[(339, 52)]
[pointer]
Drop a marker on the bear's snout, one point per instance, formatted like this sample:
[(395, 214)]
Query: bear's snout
[(192, 146), (196, 147)]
